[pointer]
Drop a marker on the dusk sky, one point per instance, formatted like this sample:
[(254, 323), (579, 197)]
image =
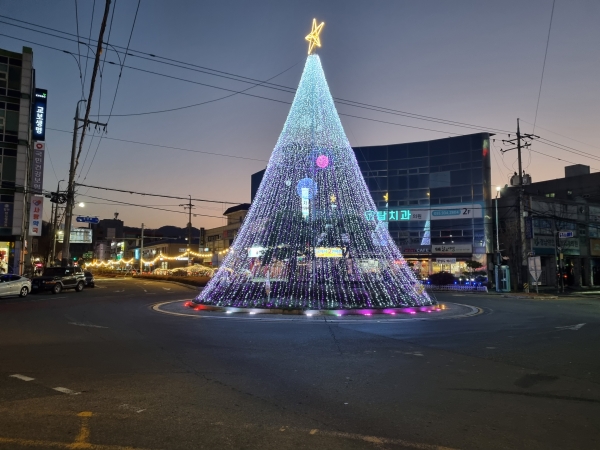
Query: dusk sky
[(473, 62)]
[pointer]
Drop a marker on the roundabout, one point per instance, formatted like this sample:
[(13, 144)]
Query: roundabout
[(446, 310)]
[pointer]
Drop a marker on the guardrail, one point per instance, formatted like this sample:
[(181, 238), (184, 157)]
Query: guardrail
[(456, 287)]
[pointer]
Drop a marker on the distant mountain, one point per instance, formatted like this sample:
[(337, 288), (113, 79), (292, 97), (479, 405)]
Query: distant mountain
[(165, 231)]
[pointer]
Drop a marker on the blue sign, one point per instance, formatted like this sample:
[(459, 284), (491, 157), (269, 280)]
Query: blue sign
[(565, 234), (38, 121), (87, 219)]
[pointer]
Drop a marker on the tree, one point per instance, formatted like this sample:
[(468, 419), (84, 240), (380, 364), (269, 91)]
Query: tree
[(313, 226)]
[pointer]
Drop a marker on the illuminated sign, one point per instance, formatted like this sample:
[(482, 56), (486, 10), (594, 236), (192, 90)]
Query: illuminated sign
[(39, 115), (438, 213), (37, 167), (328, 252), (255, 252), (78, 236), (36, 209), (452, 248), (305, 202)]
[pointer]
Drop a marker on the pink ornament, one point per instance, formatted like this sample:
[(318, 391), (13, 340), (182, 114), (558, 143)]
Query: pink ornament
[(322, 161)]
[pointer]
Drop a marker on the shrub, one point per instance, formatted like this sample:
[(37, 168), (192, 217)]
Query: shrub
[(441, 278)]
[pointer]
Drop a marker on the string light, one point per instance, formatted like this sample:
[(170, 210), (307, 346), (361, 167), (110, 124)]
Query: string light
[(306, 242)]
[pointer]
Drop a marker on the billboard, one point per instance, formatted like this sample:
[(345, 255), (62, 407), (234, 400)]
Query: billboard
[(328, 252), (78, 236), (38, 121)]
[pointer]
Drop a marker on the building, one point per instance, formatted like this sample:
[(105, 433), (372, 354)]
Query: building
[(435, 196), (20, 103), (561, 225), (218, 240)]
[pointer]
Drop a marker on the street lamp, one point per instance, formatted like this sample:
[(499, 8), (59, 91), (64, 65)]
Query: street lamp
[(497, 271), (81, 204)]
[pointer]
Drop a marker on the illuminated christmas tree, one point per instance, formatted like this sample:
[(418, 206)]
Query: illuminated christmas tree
[(313, 238)]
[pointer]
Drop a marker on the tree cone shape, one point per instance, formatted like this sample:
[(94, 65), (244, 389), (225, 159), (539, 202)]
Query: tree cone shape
[(312, 238)]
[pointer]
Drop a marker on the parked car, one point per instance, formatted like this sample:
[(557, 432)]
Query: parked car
[(14, 285), (55, 279), (89, 279)]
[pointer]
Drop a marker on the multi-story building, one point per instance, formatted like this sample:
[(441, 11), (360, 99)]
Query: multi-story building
[(435, 196), (21, 105), (561, 225), (218, 240)]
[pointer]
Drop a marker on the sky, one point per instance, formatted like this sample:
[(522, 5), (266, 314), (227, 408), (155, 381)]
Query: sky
[(478, 63)]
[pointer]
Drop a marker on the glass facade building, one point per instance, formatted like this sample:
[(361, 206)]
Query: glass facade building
[(435, 196)]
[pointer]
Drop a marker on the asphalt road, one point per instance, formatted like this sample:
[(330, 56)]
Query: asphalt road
[(102, 370)]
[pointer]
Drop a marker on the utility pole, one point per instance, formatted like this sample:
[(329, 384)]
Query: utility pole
[(142, 252), (74, 153), (189, 207), (521, 247)]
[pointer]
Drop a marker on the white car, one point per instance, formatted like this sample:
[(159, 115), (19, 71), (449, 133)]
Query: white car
[(14, 285)]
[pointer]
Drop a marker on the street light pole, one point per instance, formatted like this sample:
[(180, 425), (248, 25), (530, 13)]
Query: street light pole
[(142, 252), (497, 271)]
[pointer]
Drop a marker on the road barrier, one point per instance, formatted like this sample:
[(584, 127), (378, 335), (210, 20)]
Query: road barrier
[(456, 287)]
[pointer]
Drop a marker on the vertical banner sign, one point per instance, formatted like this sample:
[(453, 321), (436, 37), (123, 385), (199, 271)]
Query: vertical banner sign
[(37, 167), (35, 215), (305, 202), (39, 115)]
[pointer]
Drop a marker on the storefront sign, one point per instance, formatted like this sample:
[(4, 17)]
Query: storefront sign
[(452, 248), (445, 260), (595, 247), (429, 213), (6, 214), (328, 252), (37, 167), (39, 115), (415, 250), (544, 245), (36, 209)]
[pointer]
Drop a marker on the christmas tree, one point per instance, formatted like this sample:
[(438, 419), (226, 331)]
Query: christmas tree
[(313, 238)]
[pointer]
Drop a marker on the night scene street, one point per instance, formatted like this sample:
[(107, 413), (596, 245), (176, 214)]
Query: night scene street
[(292, 225), (511, 373)]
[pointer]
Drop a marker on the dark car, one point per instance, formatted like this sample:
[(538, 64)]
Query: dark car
[(55, 279), (89, 279)]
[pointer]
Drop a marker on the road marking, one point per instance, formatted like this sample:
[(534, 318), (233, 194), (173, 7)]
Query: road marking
[(571, 327), (22, 377), (82, 439), (121, 290), (86, 325), (137, 409), (167, 289), (66, 391), (313, 431)]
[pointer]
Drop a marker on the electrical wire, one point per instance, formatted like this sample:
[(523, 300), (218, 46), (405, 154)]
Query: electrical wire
[(126, 191), (240, 78), (78, 49), (169, 147), (89, 41)]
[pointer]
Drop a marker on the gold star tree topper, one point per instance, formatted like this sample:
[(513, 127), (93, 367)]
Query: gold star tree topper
[(313, 37)]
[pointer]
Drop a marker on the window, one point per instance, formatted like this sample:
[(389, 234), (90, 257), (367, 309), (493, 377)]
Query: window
[(542, 227), (550, 195)]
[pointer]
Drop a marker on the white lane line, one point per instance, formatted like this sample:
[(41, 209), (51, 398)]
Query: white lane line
[(136, 409), (571, 327), (167, 289), (22, 377), (121, 291), (145, 290), (86, 325), (66, 391)]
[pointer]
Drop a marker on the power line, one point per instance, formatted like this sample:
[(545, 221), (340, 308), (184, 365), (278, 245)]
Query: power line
[(126, 191), (118, 82), (89, 38), (147, 206), (78, 49), (169, 147), (240, 78), (537, 106)]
